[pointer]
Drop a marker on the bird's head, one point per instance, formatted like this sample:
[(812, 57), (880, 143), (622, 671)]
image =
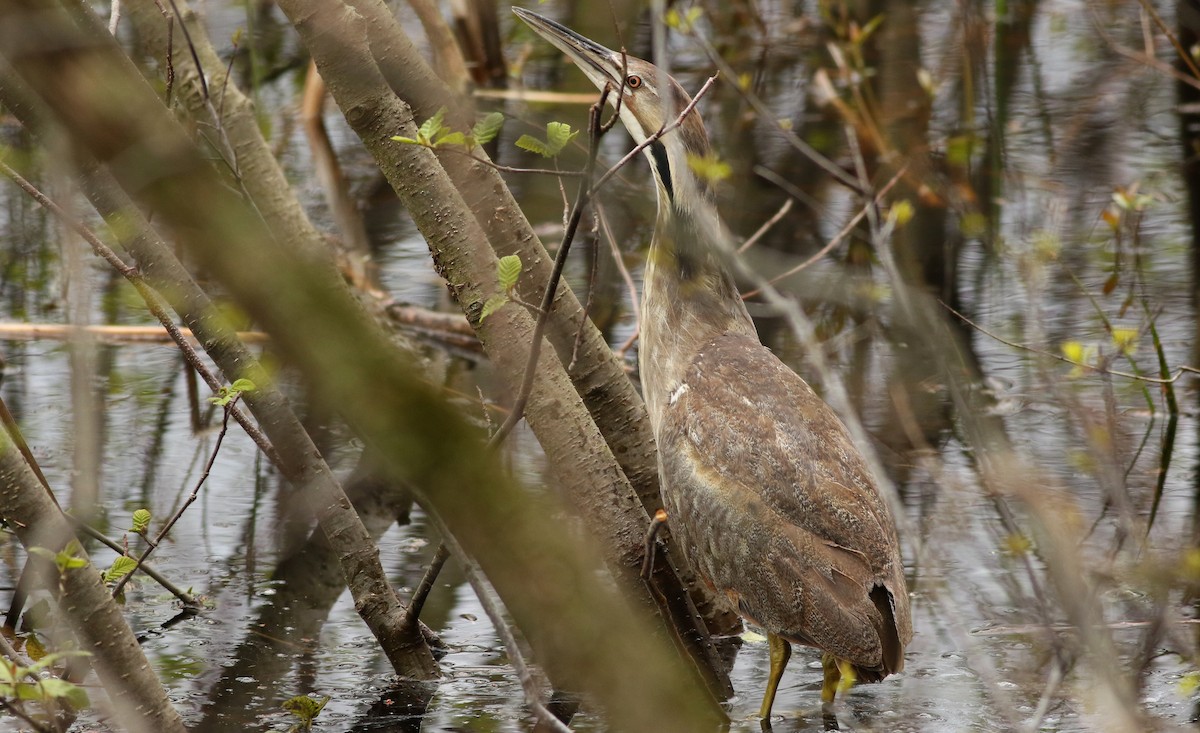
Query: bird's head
[(649, 100)]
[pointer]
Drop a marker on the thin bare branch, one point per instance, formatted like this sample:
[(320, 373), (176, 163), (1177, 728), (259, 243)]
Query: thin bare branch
[(166, 528), (837, 238), (1179, 371), (152, 299), (766, 227)]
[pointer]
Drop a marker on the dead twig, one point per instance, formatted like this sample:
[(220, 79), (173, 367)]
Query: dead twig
[(152, 300), (837, 238), (766, 227), (162, 533)]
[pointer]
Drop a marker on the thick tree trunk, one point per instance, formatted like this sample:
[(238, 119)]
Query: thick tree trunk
[(581, 459), (598, 375), (237, 132), (137, 695)]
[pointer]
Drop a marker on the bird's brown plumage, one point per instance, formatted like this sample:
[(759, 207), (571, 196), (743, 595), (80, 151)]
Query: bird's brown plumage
[(776, 509)]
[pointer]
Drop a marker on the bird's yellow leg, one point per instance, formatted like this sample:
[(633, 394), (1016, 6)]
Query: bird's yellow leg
[(833, 675), (849, 677), (839, 676), (781, 652)]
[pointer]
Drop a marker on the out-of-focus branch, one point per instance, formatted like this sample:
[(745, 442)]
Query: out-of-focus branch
[(447, 56), (139, 699)]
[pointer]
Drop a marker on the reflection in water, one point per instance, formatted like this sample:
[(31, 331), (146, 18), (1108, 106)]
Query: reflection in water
[(1010, 136)]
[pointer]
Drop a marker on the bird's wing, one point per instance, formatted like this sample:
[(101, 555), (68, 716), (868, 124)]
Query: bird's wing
[(754, 423), (753, 442)]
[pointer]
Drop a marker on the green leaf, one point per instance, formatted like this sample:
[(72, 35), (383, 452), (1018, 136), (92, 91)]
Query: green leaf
[(488, 128), (1189, 683), (60, 689), (508, 270), (431, 128), (402, 139), (48, 659), (34, 649), (682, 22), (1017, 544), (1073, 350), (243, 385), (28, 691), (709, 167), (533, 145), (868, 29), (1125, 339), (492, 305), (304, 707), (121, 567), (1078, 353), (451, 138), (68, 560), (225, 395), (960, 149), (42, 552), (141, 521), (558, 134), (902, 212)]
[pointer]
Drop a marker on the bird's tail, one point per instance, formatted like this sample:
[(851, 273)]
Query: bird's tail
[(889, 639)]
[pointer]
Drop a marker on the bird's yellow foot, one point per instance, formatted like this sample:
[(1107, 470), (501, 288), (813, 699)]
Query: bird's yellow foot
[(839, 677)]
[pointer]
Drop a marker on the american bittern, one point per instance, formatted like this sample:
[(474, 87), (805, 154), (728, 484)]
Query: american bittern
[(767, 494)]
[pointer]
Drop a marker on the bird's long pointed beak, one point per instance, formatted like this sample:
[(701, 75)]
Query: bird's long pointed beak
[(601, 65)]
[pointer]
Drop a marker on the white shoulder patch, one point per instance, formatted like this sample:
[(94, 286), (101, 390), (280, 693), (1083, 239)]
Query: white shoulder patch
[(678, 392)]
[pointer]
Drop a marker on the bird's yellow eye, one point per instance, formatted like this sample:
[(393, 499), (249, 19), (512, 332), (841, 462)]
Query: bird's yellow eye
[(633, 81)]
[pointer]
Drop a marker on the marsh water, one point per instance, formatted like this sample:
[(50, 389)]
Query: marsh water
[(1059, 221)]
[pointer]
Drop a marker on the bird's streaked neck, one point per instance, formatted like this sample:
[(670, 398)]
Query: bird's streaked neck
[(688, 229), (690, 294)]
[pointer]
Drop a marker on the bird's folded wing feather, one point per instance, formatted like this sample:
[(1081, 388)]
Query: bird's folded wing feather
[(752, 423)]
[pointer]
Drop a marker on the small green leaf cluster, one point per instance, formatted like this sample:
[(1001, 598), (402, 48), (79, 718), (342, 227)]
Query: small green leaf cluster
[(434, 133), (709, 167), (508, 270), (1082, 355), (225, 395), (1131, 200), (66, 559), (558, 134), (306, 709), (682, 21), (16, 683), (141, 521)]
